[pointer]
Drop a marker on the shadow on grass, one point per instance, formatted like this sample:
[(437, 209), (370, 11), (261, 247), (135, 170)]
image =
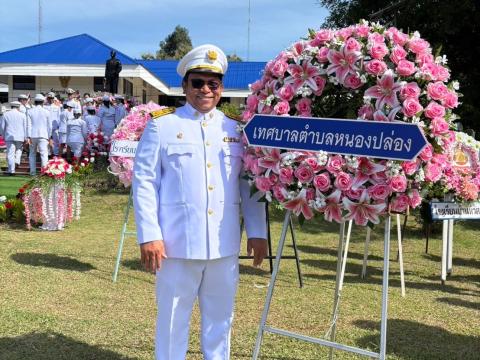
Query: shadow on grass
[(413, 341), (459, 302), (49, 346), (333, 252), (52, 261), (455, 261), (133, 264), (250, 270)]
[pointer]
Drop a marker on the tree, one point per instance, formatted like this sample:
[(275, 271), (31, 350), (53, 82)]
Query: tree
[(175, 45), (451, 27), (147, 56), (233, 58)]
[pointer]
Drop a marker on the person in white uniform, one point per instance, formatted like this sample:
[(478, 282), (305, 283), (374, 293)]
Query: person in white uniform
[(55, 111), (72, 96), (76, 133), (106, 113), (24, 105), (87, 102), (65, 115), (13, 128), (187, 195), (120, 110), (92, 120), (39, 132)]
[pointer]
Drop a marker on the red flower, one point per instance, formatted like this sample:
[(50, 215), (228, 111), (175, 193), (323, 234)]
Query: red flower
[(8, 205), (21, 190)]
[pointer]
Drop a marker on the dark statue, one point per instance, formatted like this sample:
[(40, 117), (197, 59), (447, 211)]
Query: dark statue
[(112, 71)]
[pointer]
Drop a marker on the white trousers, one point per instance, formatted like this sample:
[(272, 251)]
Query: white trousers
[(14, 154), (179, 282), (42, 146), (76, 148)]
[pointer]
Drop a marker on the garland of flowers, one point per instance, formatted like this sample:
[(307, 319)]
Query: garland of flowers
[(130, 128), (367, 72)]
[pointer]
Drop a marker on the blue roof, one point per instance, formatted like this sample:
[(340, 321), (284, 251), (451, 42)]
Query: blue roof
[(79, 49), (239, 74)]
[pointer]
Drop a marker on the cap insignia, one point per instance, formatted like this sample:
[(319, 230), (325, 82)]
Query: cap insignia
[(212, 55)]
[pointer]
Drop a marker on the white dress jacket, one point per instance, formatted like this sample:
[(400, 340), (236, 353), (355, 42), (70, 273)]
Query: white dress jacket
[(187, 188)]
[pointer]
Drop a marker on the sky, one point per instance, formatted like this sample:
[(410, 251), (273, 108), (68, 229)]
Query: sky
[(137, 26)]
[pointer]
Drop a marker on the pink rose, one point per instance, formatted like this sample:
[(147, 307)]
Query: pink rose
[(362, 30), (398, 53), (378, 51), (424, 58), (375, 67), (286, 92), (398, 183), (414, 198), (411, 106), (303, 107), (263, 183), (440, 160), (411, 90), (257, 86), (400, 203), (286, 175), (343, 181), (335, 163), (355, 194), (405, 68), (379, 191), (252, 103), (322, 54), (352, 45), (366, 112), (376, 38), (437, 90), (398, 37), (320, 81), (282, 108), (439, 126), (313, 163), (279, 67), (247, 115), (451, 100), (427, 153), (418, 46), (352, 81), (324, 35), (434, 110), (304, 174), (322, 181), (433, 172), (345, 33), (410, 167), (430, 71), (279, 192), (443, 74)]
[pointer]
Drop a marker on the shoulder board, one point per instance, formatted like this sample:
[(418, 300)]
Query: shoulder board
[(157, 113), (234, 117)]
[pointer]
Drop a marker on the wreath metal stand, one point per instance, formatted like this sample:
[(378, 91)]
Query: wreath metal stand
[(342, 249)]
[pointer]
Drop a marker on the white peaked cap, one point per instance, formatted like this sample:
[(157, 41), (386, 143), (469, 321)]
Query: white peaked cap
[(203, 58)]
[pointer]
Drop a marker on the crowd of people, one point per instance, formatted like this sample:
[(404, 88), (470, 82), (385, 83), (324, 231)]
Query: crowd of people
[(53, 126)]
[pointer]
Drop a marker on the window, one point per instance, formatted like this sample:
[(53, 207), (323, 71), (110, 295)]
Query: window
[(98, 84), (144, 96), (127, 87), (23, 82), (176, 101)]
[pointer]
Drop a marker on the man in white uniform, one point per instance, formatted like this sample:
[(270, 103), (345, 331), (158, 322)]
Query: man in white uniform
[(187, 196), (76, 133), (120, 110), (39, 132), (13, 128), (106, 113), (24, 105), (54, 110)]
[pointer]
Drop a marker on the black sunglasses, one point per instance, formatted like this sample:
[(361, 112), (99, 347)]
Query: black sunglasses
[(199, 83)]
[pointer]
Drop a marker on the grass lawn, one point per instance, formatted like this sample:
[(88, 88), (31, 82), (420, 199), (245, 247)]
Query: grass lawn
[(57, 299), (9, 185)]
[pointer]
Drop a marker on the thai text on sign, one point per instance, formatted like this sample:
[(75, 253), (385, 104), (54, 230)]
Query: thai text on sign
[(126, 148), (449, 210)]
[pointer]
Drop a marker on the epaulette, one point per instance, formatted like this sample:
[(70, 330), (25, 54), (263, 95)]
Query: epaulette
[(165, 111), (234, 117)]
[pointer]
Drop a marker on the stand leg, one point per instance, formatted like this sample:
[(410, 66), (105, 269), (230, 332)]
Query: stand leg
[(400, 255), (122, 238), (345, 254), (427, 234), (336, 301), (295, 250), (450, 247), (271, 286), (269, 238), (386, 261), (444, 251), (365, 253)]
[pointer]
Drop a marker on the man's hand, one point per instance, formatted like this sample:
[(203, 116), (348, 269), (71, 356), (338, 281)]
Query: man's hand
[(152, 254), (259, 247)]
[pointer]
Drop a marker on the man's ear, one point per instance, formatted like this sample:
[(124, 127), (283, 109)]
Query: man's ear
[(184, 86)]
